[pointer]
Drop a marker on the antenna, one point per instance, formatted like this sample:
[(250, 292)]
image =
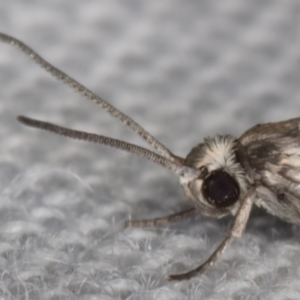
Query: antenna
[(182, 171), (79, 88)]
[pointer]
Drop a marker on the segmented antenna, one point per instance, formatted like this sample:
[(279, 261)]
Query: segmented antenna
[(79, 88), (115, 143)]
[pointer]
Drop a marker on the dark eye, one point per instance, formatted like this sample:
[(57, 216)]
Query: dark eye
[(220, 189)]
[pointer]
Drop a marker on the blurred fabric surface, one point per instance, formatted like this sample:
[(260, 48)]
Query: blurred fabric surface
[(183, 70)]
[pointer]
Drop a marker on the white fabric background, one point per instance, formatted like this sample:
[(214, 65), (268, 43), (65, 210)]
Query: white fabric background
[(182, 69)]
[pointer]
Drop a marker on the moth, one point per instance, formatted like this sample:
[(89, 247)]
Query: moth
[(221, 176)]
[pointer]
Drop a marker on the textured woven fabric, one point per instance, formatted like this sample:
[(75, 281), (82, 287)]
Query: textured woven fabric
[(182, 69)]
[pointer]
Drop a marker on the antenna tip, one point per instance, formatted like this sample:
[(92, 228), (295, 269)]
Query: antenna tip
[(21, 119), (24, 120)]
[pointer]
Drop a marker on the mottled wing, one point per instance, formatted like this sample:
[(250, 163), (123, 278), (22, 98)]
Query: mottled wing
[(273, 152)]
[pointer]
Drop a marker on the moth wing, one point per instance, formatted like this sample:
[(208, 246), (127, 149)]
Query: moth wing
[(273, 152)]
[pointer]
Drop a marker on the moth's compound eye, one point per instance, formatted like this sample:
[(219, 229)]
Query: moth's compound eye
[(220, 189)]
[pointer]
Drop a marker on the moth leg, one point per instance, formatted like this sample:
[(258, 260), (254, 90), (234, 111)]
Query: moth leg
[(236, 230), (163, 220)]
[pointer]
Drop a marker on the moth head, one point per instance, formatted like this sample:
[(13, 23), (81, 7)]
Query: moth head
[(222, 181)]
